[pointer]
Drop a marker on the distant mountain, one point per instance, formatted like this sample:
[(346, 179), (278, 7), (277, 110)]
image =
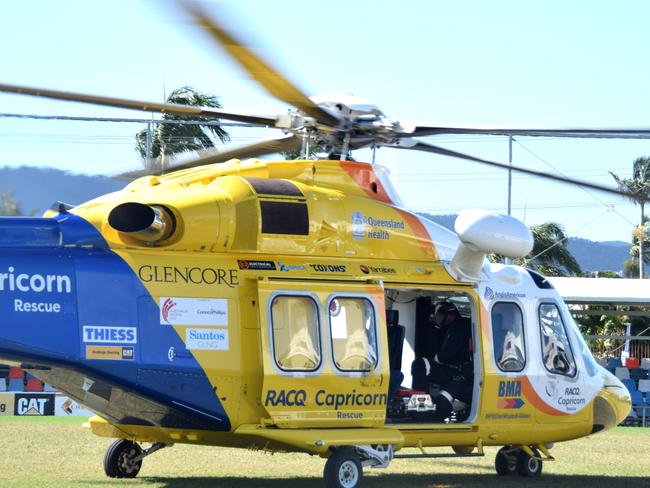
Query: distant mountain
[(591, 256), (36, 189), (599, 256)]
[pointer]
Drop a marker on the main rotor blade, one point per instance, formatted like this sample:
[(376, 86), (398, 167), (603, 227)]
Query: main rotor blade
[(270, 78), (422, 146), (269, 146), (420, 130), (170, 108)]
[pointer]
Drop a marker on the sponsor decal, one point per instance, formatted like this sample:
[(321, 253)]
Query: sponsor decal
[(365, 269), (299, 398), (188, 275), (110, 335), (194, 311), (171, 354), (328, 268), (490, 294), (509, 393), (30, 404), (7, 404), (206, 339), (373, 228), (65, 407), (257, 265), (291, 267), (507, 416), (114, 353)]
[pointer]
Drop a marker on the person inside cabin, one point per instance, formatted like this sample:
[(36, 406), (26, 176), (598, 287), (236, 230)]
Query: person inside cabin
[(448, 374)]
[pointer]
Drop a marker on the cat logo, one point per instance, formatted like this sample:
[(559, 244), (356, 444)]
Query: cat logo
[(34, 405)]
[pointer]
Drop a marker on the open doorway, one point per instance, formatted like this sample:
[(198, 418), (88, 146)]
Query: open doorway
[(435, 367)]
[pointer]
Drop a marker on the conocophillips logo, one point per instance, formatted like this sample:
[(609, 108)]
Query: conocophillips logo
[(168, 304)]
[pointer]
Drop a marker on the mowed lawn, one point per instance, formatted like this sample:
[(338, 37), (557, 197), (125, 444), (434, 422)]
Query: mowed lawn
[(54, 451)]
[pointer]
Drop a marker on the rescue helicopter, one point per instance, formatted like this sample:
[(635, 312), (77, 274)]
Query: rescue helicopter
[(269, 305)]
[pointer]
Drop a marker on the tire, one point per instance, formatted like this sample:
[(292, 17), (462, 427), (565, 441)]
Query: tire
[(118, 459), (529, 467), (343, 470), (505, 462)]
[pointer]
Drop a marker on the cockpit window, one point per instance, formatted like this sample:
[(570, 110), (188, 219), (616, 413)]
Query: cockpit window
[(508, 336), (556, 349), (576, 336)]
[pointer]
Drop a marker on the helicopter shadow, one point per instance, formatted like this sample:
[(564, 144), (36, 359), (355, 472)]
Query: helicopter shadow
[(423, 480)]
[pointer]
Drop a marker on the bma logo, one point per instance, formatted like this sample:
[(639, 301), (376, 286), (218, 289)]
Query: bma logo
[(511, 389), (34, 405)]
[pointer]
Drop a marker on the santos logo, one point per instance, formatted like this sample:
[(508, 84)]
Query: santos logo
[(110, 335), (37, 283), (212, 339)]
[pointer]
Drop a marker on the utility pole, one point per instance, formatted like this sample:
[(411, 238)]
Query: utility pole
[(507, 260)]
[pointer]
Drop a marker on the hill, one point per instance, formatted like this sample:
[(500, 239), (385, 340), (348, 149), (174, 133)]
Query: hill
[(591, 255), (36, 189)]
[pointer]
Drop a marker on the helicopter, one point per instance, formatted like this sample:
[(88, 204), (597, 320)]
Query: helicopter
[(271, 305)]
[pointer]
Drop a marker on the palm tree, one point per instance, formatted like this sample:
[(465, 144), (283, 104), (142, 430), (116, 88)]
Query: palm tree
[(639, 189), (170, 139), (9, 205), (549, 256)]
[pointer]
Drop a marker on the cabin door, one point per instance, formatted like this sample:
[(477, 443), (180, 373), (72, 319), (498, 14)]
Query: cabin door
[(324, 353)]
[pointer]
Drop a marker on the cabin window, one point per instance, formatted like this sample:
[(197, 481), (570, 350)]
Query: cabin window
[(354, 337), (296, 339), (508, 336), (556, 349)]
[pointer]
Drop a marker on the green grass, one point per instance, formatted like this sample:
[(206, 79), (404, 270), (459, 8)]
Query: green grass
[(57, 452)]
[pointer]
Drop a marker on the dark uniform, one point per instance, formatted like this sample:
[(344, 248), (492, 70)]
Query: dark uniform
[(450, 368)]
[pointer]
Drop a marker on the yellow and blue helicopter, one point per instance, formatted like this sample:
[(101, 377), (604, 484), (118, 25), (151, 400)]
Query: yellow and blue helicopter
[(279, 305)]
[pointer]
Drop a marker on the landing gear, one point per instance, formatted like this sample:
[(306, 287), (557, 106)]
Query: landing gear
[(505, 461), (123, 459), (343, 470), (527, 466), (510, 460)]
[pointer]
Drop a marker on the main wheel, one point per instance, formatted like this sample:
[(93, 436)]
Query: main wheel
[(527, 466), (505, 461), (119, 459), (343, 470)]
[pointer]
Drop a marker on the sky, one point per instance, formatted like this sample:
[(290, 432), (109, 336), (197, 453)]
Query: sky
[(550, 64)]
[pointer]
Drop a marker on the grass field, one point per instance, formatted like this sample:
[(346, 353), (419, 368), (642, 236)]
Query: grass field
[(57, 452)]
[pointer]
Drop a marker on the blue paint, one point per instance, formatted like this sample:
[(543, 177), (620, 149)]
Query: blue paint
[(49, 292)]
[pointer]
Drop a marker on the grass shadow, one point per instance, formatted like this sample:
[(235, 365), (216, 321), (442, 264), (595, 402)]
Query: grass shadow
[(401, 481)]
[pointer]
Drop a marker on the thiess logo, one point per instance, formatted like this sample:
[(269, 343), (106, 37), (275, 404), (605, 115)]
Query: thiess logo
[(36, 283), (189, 275), (110, 335)]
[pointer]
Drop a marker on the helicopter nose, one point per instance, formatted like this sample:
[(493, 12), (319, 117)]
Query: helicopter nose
[(612, 404)]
